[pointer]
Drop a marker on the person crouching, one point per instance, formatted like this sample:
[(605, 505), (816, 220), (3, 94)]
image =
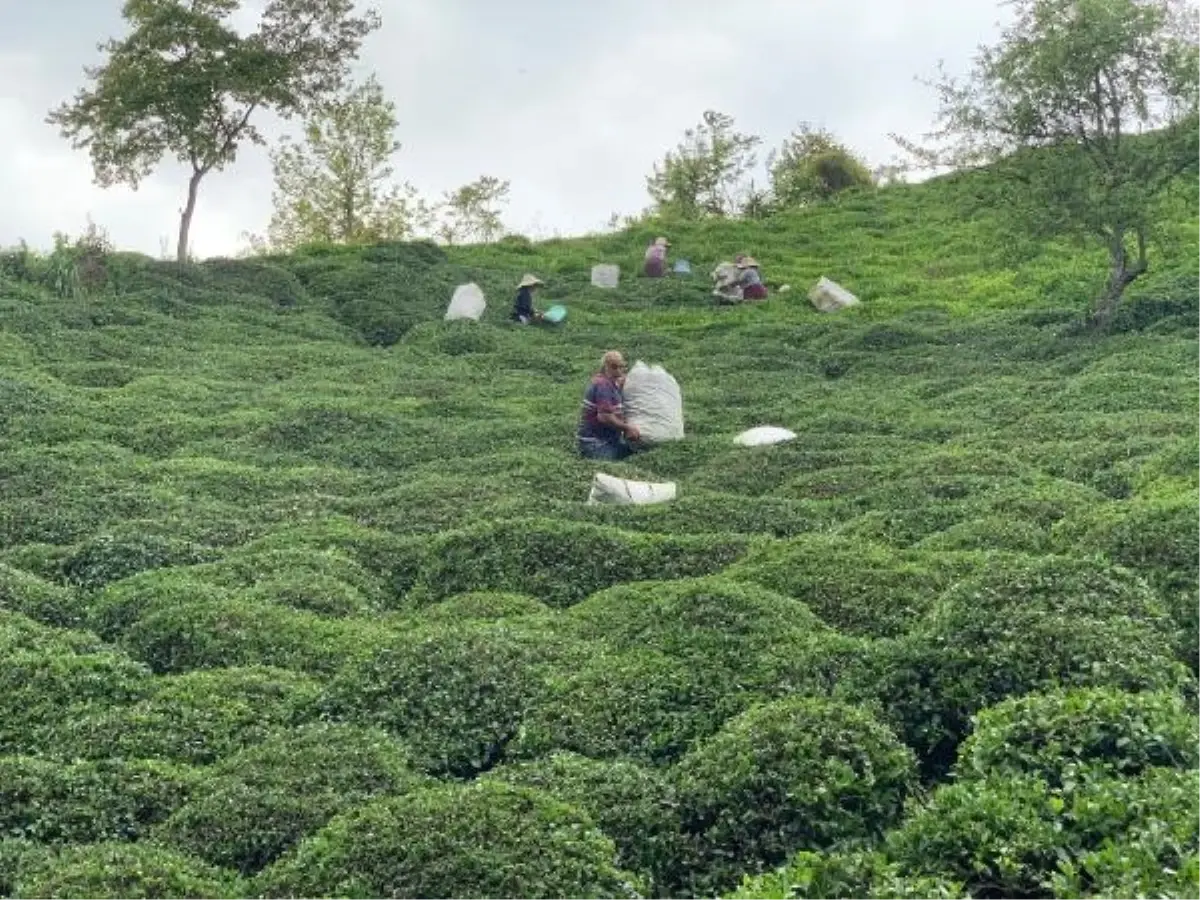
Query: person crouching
[(523, 310), (603, 432)]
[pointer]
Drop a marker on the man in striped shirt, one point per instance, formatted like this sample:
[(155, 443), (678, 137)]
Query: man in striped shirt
[(603, 431)]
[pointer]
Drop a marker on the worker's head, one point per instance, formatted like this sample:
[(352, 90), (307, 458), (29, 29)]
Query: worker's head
[(530, 281), (661, 242), (612, 365)]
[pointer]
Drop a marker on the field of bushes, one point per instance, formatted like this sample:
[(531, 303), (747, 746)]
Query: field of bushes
[(300, 595)]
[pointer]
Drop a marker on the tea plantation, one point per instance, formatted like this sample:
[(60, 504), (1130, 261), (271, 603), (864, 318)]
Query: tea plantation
[(300, 594)]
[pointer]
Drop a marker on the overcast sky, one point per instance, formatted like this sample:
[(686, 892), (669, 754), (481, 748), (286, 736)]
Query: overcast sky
[(571, 100)]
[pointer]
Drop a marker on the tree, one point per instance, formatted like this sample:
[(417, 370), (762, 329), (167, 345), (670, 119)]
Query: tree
[(813, 165), (184, 84), (1061, 106), (704, 175), (336, 186), (473, 211)]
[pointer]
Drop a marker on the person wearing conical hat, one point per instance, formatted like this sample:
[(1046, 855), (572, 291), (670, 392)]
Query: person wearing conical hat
[(750, 280), (523, 311), (656, 258)]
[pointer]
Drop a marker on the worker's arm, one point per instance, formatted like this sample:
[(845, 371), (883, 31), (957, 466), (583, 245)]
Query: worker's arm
[(615, 421)]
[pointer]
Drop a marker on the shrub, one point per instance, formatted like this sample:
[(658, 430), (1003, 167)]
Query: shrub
[(83, 802), (123, 870), (455, 695), (850, 874), (476, 840), (483, 606), (795, 774), (641, 705), (633, 805), (116, 607), (107, 558), (561, 563), (197, 717), (1062, 734), (47, 603), (260, 801)]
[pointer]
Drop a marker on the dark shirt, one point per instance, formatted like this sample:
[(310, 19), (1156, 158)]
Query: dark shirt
[(602, 396), (524, 304)]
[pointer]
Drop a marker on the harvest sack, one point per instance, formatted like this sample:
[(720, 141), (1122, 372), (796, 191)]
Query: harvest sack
[(764, 434), (682, 267), (467, 303), (653, 403), (829, 296), (605, 275), (608, 489)]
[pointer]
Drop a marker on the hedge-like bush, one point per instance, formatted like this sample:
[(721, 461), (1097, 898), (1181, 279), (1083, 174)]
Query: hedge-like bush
[(260, 801), (795, 774), (484, 839), (50, 604), (84, 801), (107, 558), (634, 805), (455, 695), (851, 875), (133, 871), (483, 606), (1063, 735), (115, 608)]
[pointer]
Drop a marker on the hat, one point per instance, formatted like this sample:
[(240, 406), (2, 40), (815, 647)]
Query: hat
[(748, 262), (662, 242), (530, 281)]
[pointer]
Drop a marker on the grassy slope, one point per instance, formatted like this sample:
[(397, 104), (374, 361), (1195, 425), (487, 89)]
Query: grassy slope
[(234, 407)]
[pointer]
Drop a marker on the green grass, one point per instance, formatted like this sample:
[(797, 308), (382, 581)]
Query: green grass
[(246, 496)]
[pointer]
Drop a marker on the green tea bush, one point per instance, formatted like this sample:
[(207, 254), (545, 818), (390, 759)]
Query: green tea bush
[(455, 695), (50, 604), (82, 802), (640, 705), (849, 874), (484, 606), (260, 801), (633, 805), (802, 773), (197, 717), (117, 607), (483, 839), (562, 563), (1061, 736), (123, 870), (107, 558)]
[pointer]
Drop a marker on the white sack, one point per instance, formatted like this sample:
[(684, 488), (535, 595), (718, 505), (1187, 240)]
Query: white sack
[(762, 435), (467, 303), (654, 403), (606, 275), (829, 296), (609, 489)]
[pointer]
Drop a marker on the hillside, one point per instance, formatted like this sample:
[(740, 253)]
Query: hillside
[(300, 595)]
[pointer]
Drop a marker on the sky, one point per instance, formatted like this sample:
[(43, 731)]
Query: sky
[(572, 101)]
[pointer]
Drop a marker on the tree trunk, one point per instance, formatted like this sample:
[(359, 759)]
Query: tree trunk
[(1120, 276), (185, 218)]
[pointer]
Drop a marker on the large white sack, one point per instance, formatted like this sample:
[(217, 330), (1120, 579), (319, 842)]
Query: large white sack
[(764, 434), (609, 489), (467, 303), (654, 403), (829, 296), (606, 275)]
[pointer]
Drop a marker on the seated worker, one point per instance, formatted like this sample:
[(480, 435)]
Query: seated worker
[(656, 258), (750, 280), (603, 431), (523, 311), (726, 286)]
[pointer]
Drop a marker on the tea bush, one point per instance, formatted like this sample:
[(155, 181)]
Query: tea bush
[(802, 773), (260, 801), (484, 839), (50, 604), (849, 874)]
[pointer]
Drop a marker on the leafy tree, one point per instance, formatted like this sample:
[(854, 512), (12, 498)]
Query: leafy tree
[(184, 84), (1079, 82), (812, 165), (336, 186), (704, 175), (473, 211)]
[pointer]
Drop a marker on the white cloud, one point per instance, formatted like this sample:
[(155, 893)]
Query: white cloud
[(572, 103)]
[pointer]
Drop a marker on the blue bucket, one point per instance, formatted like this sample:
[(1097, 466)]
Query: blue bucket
[(555, 314)]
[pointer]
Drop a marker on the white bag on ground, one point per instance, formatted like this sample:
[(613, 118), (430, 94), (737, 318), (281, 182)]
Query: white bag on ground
[(467, 303), (829, 296), (654, 403), (606, 275), (610, 489), (764, 434)]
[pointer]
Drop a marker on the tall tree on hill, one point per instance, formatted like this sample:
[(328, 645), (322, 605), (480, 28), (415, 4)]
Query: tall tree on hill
[(705, 175), (813, 165), (185, 84), (1061, 106), (336, 186), (472, 212)]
